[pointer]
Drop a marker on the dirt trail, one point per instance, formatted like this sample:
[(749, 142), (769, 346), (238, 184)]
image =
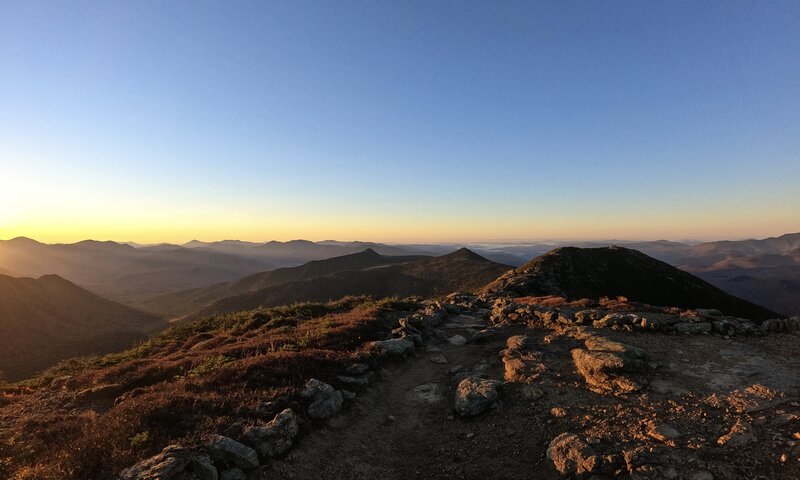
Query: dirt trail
[(392, 432)]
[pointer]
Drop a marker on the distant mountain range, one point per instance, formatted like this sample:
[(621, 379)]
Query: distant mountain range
[(49, 319), (180, 303), (765, 272), (364, 273)]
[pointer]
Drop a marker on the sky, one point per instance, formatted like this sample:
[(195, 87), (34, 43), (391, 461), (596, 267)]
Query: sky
[(399, 121)]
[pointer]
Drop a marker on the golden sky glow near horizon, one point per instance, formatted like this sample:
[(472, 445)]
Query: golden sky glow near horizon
[(400, 122)]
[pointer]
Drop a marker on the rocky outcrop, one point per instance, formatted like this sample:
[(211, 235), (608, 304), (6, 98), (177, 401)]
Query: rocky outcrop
[(571, 456), (325, 400), (740, 434), (474, 395), (607, 365), (275, 437), (227, 451), (173, 463), (522, 362)]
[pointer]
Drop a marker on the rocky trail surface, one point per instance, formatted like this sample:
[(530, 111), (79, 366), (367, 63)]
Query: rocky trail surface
[(634, 404)]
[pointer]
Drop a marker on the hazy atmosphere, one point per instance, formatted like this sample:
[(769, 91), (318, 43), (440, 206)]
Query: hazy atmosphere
[(399, 121)]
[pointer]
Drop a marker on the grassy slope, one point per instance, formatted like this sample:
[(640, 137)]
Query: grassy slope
[(49, 319), (184, 382)]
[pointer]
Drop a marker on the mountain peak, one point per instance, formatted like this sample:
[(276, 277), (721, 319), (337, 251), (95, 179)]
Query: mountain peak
[(619, 271), (465, 254)]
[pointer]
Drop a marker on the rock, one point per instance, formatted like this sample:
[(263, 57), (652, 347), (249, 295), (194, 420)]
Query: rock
[(395, 346), (475, 395), (529, 392), (603, 344), (483, 335), (693, 328), (457, 340), (226, 450), (173, 463), (428, 393), (357, 369), (558, 412), (587, 316), (617, 319), (325, 400), (708, 312), (522, 364), (741, 434), (233, 474), (348, 395), (274, 437), (571, 456), (521, 342), (606, 371), (357, 381), (202, 467), (439, 359), (664, 433), (643, 464)]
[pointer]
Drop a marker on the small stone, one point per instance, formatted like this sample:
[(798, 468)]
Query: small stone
[(439, 359), (532, 393), (428, 393), (391, 418), (457, 340), (558, 412), (470, 435), (395, 346), (664, 433)]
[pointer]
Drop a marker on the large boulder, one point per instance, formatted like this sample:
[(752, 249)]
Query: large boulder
[(475, 395), (326, 401), (173, 463), (571, 456), (227, 451), (275, 437)]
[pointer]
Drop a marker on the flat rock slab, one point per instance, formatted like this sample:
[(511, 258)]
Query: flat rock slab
[(427, 393)]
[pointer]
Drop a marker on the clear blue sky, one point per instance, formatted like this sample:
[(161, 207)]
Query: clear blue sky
[(412, 120)]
